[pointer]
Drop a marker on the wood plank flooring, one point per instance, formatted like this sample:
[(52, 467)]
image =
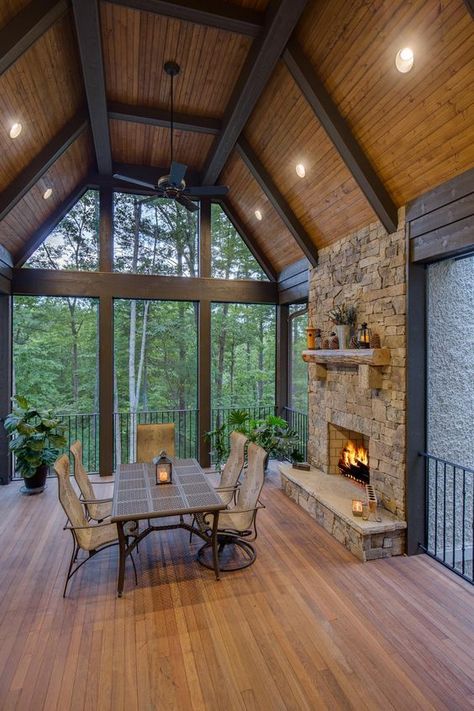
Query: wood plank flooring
[(307, 627)]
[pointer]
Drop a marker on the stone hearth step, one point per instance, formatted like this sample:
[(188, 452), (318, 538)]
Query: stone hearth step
[(328, 499)]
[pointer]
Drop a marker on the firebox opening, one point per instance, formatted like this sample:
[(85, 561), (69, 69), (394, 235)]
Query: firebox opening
[(354, 462), (348, 453)]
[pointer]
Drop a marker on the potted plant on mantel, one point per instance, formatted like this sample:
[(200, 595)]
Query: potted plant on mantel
[(344, 318), (36, 437)]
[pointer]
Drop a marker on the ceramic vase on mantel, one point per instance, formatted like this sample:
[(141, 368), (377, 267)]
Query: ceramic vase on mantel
[(343, 333)]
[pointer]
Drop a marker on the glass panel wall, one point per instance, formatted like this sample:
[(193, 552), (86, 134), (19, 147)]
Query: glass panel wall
[(74, 243), (243, 359), (55, 363), (231, 258), (154, 236), (155, 371)]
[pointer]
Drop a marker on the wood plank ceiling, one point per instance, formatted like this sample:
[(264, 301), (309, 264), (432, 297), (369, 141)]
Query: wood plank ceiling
[(415, 129)]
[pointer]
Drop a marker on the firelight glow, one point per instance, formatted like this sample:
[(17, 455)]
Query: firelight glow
[(300, 170), (15, 130), (404, 60), (258, 215), (352, 455)]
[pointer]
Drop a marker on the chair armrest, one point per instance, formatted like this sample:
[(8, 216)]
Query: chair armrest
[(227, 488), (96, 501), (86, 528), (93, 482)]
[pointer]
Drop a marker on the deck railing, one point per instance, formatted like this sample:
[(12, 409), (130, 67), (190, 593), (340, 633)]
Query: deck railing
[(85, 427), (449, 530)]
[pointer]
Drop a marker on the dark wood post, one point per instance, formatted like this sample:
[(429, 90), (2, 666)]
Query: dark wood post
[(5, 383), (204, 377), (106, 339), (282, 360), (416, 408), (204, 381)]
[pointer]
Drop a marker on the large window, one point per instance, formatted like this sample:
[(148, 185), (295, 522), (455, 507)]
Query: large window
[(155, 371), (154, 236), (55, 363), (298, 369), (73, 244), (231, 258), (243, 355)]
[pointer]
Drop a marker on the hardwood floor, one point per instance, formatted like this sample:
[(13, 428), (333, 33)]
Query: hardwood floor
[(307, 627)]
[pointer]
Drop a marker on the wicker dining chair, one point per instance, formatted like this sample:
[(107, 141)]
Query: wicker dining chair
[(227, 483), (238, 523), (91, 538), (97, 509), (152, 439)]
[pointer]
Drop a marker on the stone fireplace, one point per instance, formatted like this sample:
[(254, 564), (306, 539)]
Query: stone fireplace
[(348, 454), (359, 403)]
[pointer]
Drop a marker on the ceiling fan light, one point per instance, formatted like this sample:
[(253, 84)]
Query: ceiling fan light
[(404, 60), (258, 215), (300, 170)]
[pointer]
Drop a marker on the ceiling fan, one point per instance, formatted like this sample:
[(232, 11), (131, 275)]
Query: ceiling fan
[(173, 186)]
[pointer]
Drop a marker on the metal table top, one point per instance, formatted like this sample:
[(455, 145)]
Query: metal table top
[(137, 496)]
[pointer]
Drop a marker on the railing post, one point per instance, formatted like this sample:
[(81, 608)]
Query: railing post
[(5, 383)]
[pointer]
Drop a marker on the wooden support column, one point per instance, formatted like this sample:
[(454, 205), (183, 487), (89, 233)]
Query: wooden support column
[(204, 381), (205, 239), (5, 382), (106, 385), (282, 360), (106, 338)]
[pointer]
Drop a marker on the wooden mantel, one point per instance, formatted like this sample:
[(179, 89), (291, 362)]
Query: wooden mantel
[(368, 361)]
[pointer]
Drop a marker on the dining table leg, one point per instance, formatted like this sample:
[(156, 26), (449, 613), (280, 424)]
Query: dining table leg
[(122, 555), (215, 545)]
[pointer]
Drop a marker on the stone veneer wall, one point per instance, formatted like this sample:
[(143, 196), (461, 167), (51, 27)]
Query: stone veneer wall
[(367, 269)]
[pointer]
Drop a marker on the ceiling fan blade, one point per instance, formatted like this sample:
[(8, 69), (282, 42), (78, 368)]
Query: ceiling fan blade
[(135, 181), (177, 173), (207, 190), (187, 203)]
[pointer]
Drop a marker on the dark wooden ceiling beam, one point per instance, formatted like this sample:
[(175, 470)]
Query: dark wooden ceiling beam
[(251, 244), (214, 13), (280, 21), (40, 164), (338, 131), (277, 200), (87, 19), (38, 237), (161, 117), (26, 27)]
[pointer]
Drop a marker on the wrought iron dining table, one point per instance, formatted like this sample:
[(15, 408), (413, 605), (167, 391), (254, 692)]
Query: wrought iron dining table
[(138, 498)]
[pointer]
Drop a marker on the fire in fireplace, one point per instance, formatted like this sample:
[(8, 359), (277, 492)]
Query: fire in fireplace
[(354, 462)]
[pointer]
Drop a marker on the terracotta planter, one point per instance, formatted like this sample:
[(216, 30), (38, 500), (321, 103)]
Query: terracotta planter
[(36, 484)]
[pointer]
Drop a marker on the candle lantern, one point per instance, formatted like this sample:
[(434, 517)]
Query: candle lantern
[(364, 336), (163, 469), (357, 507)]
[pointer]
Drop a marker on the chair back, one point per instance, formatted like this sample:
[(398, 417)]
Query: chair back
[(80, 474), (68, 497), (253, 481), (152, 439), (235, 462)]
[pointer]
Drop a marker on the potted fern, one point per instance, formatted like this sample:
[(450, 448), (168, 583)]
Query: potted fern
[(36, 437)]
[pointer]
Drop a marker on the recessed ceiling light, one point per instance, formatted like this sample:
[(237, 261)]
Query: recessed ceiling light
[(47, 193), (15, 130), (300, 170), (258, 215), (404, 60)]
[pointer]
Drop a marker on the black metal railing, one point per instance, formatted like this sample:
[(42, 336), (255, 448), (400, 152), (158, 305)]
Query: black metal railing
[(449, 528), (298, 421)]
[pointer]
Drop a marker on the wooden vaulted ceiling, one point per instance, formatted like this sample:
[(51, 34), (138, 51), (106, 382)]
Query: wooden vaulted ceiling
[(371, 139)]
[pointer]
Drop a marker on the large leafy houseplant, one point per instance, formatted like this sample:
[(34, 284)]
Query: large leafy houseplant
[(272, 433), (36, 437)]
